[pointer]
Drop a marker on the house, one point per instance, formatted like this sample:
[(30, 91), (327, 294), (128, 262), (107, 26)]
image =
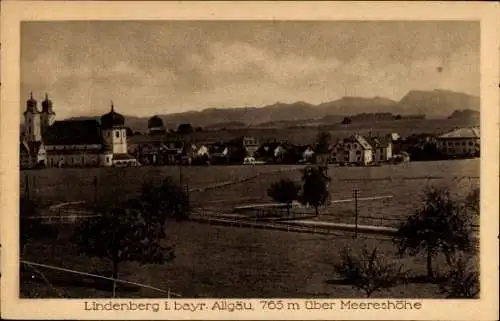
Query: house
[(250, 144), (307, 154), (266, 152), (381, 147), (462, 142), (354, 149)]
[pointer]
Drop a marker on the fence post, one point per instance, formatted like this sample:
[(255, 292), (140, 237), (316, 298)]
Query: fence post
[(356, 192), (95, 190), (27, 187)]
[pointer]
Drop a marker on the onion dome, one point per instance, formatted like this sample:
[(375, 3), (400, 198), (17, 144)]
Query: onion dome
[(155, 122), (112, 119), (46, 104), (31, 104)]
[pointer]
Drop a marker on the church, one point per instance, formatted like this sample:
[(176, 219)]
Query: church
[(72, 143)]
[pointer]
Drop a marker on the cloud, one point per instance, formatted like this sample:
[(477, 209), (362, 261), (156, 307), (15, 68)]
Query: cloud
[(162, 68)]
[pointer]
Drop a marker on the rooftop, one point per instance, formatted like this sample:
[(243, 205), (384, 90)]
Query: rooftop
[(468, 132)]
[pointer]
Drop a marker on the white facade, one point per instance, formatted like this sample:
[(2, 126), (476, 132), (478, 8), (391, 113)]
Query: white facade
[(116, 139), (47, 119), (32, 126), (461, 142), (353, 150), (76, 158), (383, 153)]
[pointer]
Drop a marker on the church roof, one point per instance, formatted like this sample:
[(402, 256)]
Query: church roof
[(31, 104), (73, 132), (47, 104), (471, 132), (112, 119)]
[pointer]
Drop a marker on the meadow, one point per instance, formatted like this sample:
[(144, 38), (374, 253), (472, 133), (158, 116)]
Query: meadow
[(224, 262), (220, 261)]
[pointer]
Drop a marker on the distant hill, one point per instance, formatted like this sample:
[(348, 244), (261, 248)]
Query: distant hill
[(465, 114), (437, 103), (358, 105), (432, 104)]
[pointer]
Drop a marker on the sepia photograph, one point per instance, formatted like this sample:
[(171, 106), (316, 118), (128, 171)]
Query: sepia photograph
[(240, 159)]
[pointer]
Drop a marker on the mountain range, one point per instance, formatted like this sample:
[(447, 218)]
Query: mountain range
[(432, 104)]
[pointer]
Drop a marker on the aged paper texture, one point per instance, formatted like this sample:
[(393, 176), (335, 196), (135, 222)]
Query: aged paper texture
[(249, 160)]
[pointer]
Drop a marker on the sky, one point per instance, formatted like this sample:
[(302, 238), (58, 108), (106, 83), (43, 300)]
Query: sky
[(162, 67)]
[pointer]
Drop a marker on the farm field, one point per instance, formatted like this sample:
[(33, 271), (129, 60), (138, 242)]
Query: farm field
[(79, 184), (223, 262), (404, 182), (211, 260)]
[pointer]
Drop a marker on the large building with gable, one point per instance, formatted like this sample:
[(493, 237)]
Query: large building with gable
[(72, 143)]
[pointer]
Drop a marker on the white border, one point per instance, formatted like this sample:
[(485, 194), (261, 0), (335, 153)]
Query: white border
[(12, 12)]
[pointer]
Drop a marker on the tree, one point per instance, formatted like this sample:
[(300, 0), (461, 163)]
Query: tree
[(185, 128), (440, 225), (315, 187), (167, 199), (122, 234), (346, 121), (462, 281), (284, 191), (323, 140), (369, 272)]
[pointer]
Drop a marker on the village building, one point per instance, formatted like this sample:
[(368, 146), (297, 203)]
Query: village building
[(354, 150), (462, 142), (381, 148), (73, 143)]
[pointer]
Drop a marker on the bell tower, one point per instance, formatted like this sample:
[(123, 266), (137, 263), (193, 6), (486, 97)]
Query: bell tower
[(48, 115), (114, 132), (32, 124)]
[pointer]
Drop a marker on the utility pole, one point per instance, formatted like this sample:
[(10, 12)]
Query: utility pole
[(27, 187), (355, 192), (95, 189)]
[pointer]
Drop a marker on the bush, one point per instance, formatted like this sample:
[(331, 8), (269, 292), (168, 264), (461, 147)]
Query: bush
[(284, 191), (369, 272), (166, 199), (462, 281)]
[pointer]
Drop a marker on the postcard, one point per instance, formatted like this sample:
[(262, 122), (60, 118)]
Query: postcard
[(249, 160)]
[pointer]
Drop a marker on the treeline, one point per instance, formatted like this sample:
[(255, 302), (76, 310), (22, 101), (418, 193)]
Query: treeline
[(368, 117)]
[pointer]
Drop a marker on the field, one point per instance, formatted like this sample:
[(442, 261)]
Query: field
[(217, 261), (308, 134)]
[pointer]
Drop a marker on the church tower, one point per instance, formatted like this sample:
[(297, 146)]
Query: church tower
[(113, 131), (48, 115), (32, 124)]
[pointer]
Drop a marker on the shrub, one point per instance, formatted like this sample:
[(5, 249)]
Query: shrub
[(462, 281), (370, 272), (284, 191)]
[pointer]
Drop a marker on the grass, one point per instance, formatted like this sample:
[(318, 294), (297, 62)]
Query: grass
[(218, 261)]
